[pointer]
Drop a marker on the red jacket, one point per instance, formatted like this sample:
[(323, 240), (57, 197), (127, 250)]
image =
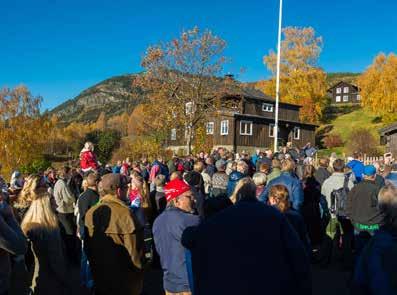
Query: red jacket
[(88, 160)]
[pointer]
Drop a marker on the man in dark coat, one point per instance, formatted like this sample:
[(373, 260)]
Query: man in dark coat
[(248, 248), (362, 208)]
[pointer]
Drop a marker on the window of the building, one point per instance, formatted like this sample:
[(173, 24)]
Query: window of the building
[(358, 97), (337, 98), (345, 89), (267, 107), (173, 134), (271, 130), (246, 128), (210, 128), (339, 90), (225, 127), (189, 108), (297, 133), (345, 98)]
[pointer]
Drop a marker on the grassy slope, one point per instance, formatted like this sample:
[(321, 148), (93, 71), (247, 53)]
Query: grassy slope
[(343, 125)]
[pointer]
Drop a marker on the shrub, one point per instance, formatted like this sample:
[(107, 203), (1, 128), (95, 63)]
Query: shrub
[(332, 140), (35, 166), (363, 141)]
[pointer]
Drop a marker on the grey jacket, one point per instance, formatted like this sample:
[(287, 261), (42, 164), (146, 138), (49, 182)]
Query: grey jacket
[(64, 197), (334, 182)]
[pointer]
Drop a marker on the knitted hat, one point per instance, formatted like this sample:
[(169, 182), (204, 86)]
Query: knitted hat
[(175, 188)]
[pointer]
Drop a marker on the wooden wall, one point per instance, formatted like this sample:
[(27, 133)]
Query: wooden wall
[(286, 112)]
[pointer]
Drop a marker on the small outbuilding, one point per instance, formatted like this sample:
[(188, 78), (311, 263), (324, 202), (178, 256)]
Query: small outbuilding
[(389, 138)]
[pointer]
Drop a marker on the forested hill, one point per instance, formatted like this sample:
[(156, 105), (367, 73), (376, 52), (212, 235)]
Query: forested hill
[(116, 95)]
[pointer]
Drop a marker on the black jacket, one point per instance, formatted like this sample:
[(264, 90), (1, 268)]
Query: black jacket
[(86, 200), (246, 248), (362, 204)]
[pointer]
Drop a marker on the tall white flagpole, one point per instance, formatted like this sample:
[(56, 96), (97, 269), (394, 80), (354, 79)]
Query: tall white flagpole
[(278, 77)]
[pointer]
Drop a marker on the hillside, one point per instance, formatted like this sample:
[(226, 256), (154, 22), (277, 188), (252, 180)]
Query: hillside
[(333, 78), (113, 96)]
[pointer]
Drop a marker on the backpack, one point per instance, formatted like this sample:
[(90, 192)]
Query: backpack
[(339, 199)]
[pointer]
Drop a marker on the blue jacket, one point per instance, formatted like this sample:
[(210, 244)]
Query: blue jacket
[(167, 233), (358, 169), (375, 271), (293, 185), (116, 169), (234, 177)]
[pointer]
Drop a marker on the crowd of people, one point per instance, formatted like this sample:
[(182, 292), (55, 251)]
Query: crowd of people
[(219, 223)]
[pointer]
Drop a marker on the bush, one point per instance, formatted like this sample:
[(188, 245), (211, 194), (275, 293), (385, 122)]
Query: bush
[(332, 140), (138, 147), (363, 141), (35, 166)]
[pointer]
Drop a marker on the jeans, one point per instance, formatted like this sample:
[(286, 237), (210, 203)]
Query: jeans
[(85, 271)]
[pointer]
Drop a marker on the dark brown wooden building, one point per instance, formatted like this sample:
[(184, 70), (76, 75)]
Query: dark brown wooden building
[(246, 122), (389, 138), (343, 92)]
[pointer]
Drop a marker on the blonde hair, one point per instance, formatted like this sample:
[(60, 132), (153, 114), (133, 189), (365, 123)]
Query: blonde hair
[(28, 192), (40, 212), (246, 181), (288, 165), (259, 178), (279, 193)]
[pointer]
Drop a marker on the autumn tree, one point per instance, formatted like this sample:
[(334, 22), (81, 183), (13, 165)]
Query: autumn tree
[(301, 80), (119, 123), (100, 123), (378, 87), (23, 132), (180, 78)]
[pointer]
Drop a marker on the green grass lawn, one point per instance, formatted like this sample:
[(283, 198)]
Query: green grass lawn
[(361, 118)]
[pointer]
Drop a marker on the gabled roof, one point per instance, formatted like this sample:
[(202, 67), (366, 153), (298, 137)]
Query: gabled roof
[(342, 82), (388, 129)]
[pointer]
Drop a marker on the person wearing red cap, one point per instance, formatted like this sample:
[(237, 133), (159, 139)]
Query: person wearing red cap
[(167, 233)]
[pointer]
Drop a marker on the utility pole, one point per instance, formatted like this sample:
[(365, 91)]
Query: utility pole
[(278, 77)]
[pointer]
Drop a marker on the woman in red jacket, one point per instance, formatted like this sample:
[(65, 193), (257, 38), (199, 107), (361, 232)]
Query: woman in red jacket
[(87, 158)]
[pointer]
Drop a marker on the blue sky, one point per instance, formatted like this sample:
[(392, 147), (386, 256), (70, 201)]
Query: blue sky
[(59, 48)]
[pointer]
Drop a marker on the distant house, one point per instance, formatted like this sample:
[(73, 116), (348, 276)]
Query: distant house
[(343, 92), (389, 138), (246, 122)]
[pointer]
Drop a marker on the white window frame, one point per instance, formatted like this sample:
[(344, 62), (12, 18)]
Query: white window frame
[(346, 89), (224, 127), (271, 130), (189, 108), (345, 98), (358, 97), (297, 136), (210, 127), (173, 134), (338, 90), (247, 130), (267, 107), (338, 98)]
